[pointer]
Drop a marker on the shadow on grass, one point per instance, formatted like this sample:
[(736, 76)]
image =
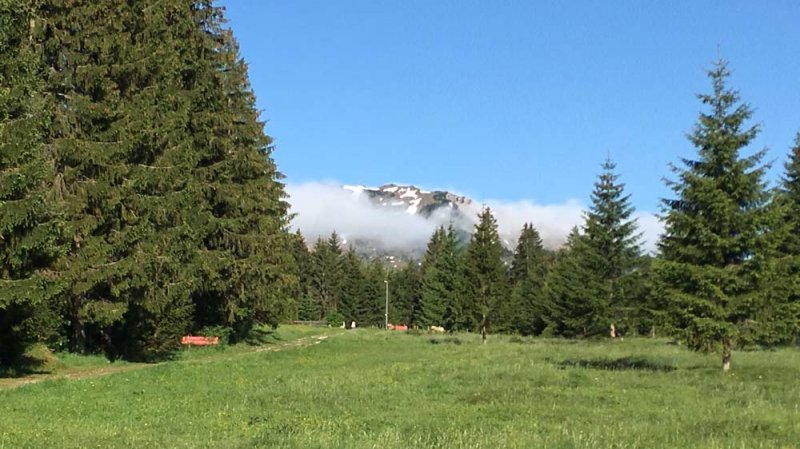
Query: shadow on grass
[(26, 366), (621, 364), (445, 340), (261, 336)]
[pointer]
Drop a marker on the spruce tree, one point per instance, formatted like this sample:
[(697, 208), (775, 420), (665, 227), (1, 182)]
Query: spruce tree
[(30, 222), (441, 282), (432, 291), (710, 248), (646, 313), (352, 305), (790, 197), (527, 254), (373, 294), (573, 307), (115, 72), (325, 283), (487, 301), (172, 202), (242, 212), (527, 276), (405, 294), (301, 257), (778, 316), (611, 233)]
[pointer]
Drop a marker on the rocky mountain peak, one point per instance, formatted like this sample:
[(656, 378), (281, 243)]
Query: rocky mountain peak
[(416, 201)]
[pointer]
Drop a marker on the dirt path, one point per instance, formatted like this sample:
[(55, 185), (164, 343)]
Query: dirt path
[(97, 371)]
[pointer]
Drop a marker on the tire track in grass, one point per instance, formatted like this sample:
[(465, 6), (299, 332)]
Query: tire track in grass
[(91, 372)]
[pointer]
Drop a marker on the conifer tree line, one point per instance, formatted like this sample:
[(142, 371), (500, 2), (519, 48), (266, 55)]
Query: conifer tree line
[(138, 198), (726, 273), (139, 202)]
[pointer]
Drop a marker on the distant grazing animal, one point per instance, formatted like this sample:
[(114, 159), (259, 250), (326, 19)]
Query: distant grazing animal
[(352, 325), (437, 329)]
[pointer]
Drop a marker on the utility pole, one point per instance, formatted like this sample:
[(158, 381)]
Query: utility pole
[(386, 315)]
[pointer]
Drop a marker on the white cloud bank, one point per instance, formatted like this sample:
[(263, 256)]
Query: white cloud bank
[(323, 207)]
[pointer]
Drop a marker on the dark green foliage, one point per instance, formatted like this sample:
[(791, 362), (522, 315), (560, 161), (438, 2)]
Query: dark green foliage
[(242, 213), (123, 157), (405, 294), (611, 234), (575, 309), (790, 199), (643, 311), (713, 249), (528, 253), (487, 298), (782, 286), (595, 281), (342, 285), (373, 298), (527, 275), (307, 309), (433, 290), (441, 282), (30, 222), (157, 160), (300, 268), (326, 274), (353, 305)]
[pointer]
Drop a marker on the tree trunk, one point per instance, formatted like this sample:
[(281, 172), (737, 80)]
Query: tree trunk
[(484, 333), (612, 331), (77, 341), (726, 354)]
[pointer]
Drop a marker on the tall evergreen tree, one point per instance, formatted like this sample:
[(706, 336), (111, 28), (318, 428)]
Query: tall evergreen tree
[(527, 275), (779, 314), (246, 248), (710, 248), (172, 202), (30, 222), (373, 294), (441, 282), (115, 73), (646, 312), (611, 233), (352, 305), (487, 294), (573, 307), (527, 254), (326, 274), (790, 196), (405, 294), (433, 292), (305, 308)]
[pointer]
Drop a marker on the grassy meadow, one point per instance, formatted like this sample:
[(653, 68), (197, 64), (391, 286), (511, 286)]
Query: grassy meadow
[(372, 389)]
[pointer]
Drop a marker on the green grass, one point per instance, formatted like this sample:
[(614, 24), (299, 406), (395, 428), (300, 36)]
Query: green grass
[(370, 389), (40, 364)]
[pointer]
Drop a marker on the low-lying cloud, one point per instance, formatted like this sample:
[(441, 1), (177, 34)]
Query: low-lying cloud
[(324, 207)]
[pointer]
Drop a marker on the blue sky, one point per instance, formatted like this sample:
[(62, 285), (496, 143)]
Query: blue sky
[(509, 100)]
